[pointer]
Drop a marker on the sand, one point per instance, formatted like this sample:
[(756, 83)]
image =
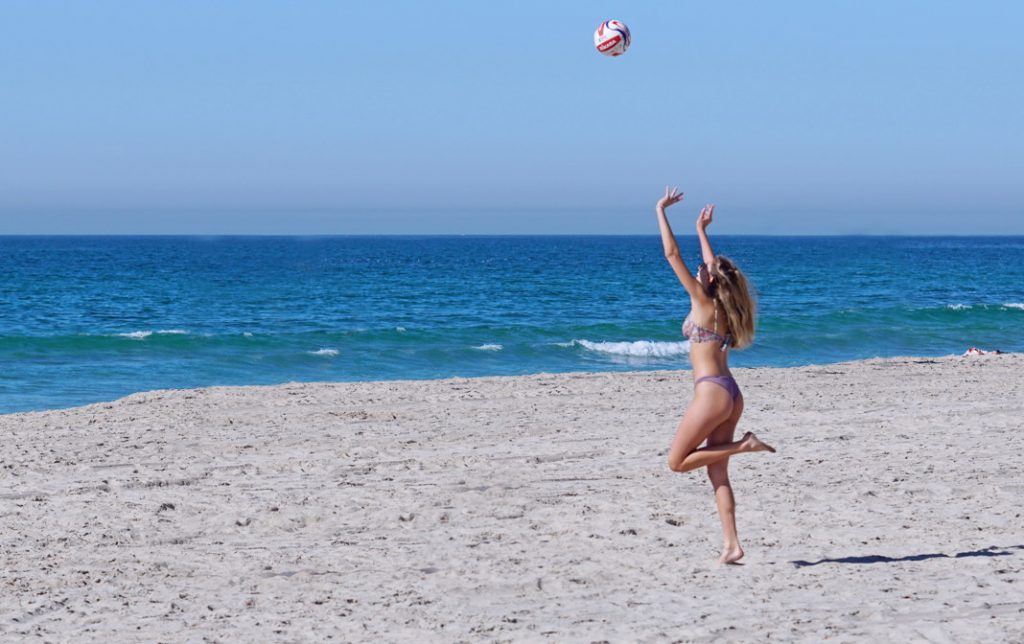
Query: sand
[(535, 508)]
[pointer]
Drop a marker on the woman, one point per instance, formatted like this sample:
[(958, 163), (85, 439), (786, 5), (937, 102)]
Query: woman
[(721, 317)]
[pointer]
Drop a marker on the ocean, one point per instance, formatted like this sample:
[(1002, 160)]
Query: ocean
[(87, 319)]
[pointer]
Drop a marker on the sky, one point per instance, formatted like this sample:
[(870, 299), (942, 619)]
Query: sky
[(445, 117)]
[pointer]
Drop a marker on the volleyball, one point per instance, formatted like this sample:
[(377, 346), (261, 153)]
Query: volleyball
[(612, 38)]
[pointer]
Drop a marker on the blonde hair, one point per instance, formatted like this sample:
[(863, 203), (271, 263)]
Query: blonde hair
[(733, 291)]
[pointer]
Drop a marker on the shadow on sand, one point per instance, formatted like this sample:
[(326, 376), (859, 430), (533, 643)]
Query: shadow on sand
[(991, 551)]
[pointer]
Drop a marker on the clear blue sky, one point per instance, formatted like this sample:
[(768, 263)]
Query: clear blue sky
[(485, 117)]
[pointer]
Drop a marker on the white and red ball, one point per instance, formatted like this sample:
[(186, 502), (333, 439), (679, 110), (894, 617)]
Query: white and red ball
[(612, 38)]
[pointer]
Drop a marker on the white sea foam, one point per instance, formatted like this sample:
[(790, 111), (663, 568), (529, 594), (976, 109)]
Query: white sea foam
[(142, 335), (1015, 305), (959, 307), (400, 329), (490, 347), (136, 335), (247, 334), (323, 352), (642, 348)]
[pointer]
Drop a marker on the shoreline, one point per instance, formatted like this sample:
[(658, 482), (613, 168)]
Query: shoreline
[(292, 383), (522, 507)]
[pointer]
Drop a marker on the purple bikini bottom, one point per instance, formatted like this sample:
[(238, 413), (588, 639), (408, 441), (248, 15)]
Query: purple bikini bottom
[(726, 382)]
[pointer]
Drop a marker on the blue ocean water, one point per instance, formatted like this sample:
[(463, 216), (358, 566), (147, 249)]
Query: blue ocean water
[(84, 319)]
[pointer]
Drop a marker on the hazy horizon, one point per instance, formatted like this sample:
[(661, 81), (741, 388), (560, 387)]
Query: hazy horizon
[(640, 221)]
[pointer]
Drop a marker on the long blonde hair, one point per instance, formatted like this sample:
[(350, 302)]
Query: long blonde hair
[(733, 291)]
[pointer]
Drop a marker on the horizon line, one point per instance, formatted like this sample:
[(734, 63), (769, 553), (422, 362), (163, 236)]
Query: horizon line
[(657, 235)]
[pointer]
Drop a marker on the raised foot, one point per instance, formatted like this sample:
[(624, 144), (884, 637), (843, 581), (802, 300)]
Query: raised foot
[(751, 443), (731, 555)]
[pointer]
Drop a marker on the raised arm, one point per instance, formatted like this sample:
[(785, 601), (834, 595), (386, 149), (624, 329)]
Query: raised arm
[(703, 221), (668, 240)]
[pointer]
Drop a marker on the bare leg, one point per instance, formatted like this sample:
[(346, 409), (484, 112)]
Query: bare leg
[(718, 472), (708, 410), (707, 456), (713, 415), (719, 475)]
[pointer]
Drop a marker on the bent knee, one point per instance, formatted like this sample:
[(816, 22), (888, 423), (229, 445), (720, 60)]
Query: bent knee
[(677, 465)]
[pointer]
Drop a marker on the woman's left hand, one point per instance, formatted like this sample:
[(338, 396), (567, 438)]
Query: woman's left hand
[(704, 218)]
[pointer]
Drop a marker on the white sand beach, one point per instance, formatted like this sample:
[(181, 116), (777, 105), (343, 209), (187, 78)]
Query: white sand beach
[(535, 508)]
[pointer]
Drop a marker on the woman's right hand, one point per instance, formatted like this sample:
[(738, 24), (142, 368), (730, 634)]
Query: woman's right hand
[(704, 218), (671, 197)]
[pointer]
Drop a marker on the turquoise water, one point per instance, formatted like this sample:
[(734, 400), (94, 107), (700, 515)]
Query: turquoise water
[(84, 319)]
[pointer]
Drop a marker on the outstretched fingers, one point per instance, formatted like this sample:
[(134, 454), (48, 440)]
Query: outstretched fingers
[(672, 196)]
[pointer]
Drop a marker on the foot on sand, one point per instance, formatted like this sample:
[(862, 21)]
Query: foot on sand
[(731, 554), (752, 443)]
